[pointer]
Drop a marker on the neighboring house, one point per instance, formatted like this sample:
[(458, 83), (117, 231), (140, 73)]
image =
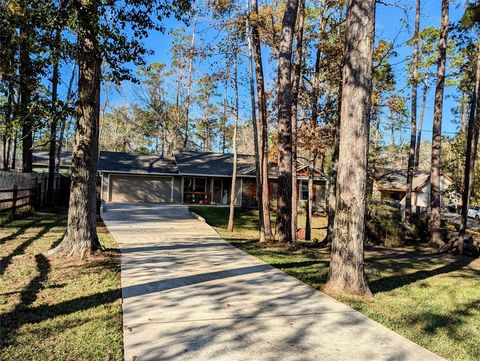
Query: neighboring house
[(187, 177), (391, 185)]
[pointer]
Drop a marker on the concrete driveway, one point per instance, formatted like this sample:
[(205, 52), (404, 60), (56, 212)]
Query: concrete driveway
[(456, 218), (189, 295)]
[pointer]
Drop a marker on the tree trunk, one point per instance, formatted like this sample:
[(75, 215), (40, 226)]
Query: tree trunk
[(314, 117), (318, 59), (413, 124), (25, 98), (7, 145), (256, 140), (332, 184), (284, 193), (10, 128), (310, 199), (225, 106), (392, 129), (234, 146), (435, 191), (262, 127), (14, 150), (64, 122), (420, 122), (5, 159), (81, 237), (53, 124), (189, 82), (464, 113), (346, 272), (471, 151), (296, 76)]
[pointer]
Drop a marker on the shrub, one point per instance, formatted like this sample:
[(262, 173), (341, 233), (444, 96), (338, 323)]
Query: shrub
[(385, 226)]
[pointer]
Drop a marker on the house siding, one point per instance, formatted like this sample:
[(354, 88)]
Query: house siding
[(177, 190), (320, 200), (249, 198), (246, 189)]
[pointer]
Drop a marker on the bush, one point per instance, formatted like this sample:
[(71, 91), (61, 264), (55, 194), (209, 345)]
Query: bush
[(385, 226)]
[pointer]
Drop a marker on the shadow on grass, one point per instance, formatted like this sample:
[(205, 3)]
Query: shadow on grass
[(386, 284), (20, 249), (18, 232), (12, 320), (300, 264), (432, 322), (23, 313), (394, 263)]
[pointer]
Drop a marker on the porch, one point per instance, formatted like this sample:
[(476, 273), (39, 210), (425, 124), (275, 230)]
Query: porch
[(209, 190)]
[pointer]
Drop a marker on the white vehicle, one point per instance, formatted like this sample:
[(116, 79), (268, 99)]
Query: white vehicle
[(474, 212)]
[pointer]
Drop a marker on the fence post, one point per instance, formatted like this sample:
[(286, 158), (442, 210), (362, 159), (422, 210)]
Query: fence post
[(14, 197), (30, 197), (44, 186), (39, 195)]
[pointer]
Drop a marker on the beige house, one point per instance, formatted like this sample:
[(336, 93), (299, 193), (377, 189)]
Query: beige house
[(188, 177), (391, 185)]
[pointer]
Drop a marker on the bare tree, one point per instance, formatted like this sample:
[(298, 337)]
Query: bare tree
[(312, 153), (189, 79), (346, 272), (471, 152), (413, 123), (435, 191), (234, 144), (420, 122), (63, 120), (256, 141), (55, 48), (25, 93), (296, 76), (262, 128), (332, 184)]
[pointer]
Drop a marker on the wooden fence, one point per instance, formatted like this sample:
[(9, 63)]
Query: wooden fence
[(18, 190), (19, 198)]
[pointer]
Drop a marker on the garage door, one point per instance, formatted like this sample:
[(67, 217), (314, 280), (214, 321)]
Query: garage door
[(140, 189)]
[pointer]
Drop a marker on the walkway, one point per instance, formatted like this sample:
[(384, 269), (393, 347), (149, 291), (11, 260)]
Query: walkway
[(189, 295)]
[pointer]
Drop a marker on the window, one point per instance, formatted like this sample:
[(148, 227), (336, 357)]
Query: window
[(199, 184), (194, 184), (303, 190)]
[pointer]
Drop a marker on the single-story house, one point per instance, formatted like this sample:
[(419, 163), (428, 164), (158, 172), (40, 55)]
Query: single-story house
[(391, 185), (188, 177)]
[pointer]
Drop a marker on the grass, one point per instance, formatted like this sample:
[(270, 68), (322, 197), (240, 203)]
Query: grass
[(57, 309), (246, 222), (431, 299)]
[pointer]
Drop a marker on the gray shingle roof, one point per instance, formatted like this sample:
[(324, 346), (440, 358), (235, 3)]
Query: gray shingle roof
[(40, 158), (134, 163), (210, 163), (118, 162), (396, 179), (183, 163)]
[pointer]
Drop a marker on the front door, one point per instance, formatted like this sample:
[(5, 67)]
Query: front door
[(217, 190)]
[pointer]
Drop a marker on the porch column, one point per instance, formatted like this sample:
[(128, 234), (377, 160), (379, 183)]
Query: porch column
[(211, 190), (182, 187)]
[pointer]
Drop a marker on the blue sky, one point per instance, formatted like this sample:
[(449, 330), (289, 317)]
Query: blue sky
[(389, 26)]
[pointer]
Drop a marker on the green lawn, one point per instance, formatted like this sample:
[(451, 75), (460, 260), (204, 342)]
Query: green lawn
[(57, 309), (433, 300), (246, 222)]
